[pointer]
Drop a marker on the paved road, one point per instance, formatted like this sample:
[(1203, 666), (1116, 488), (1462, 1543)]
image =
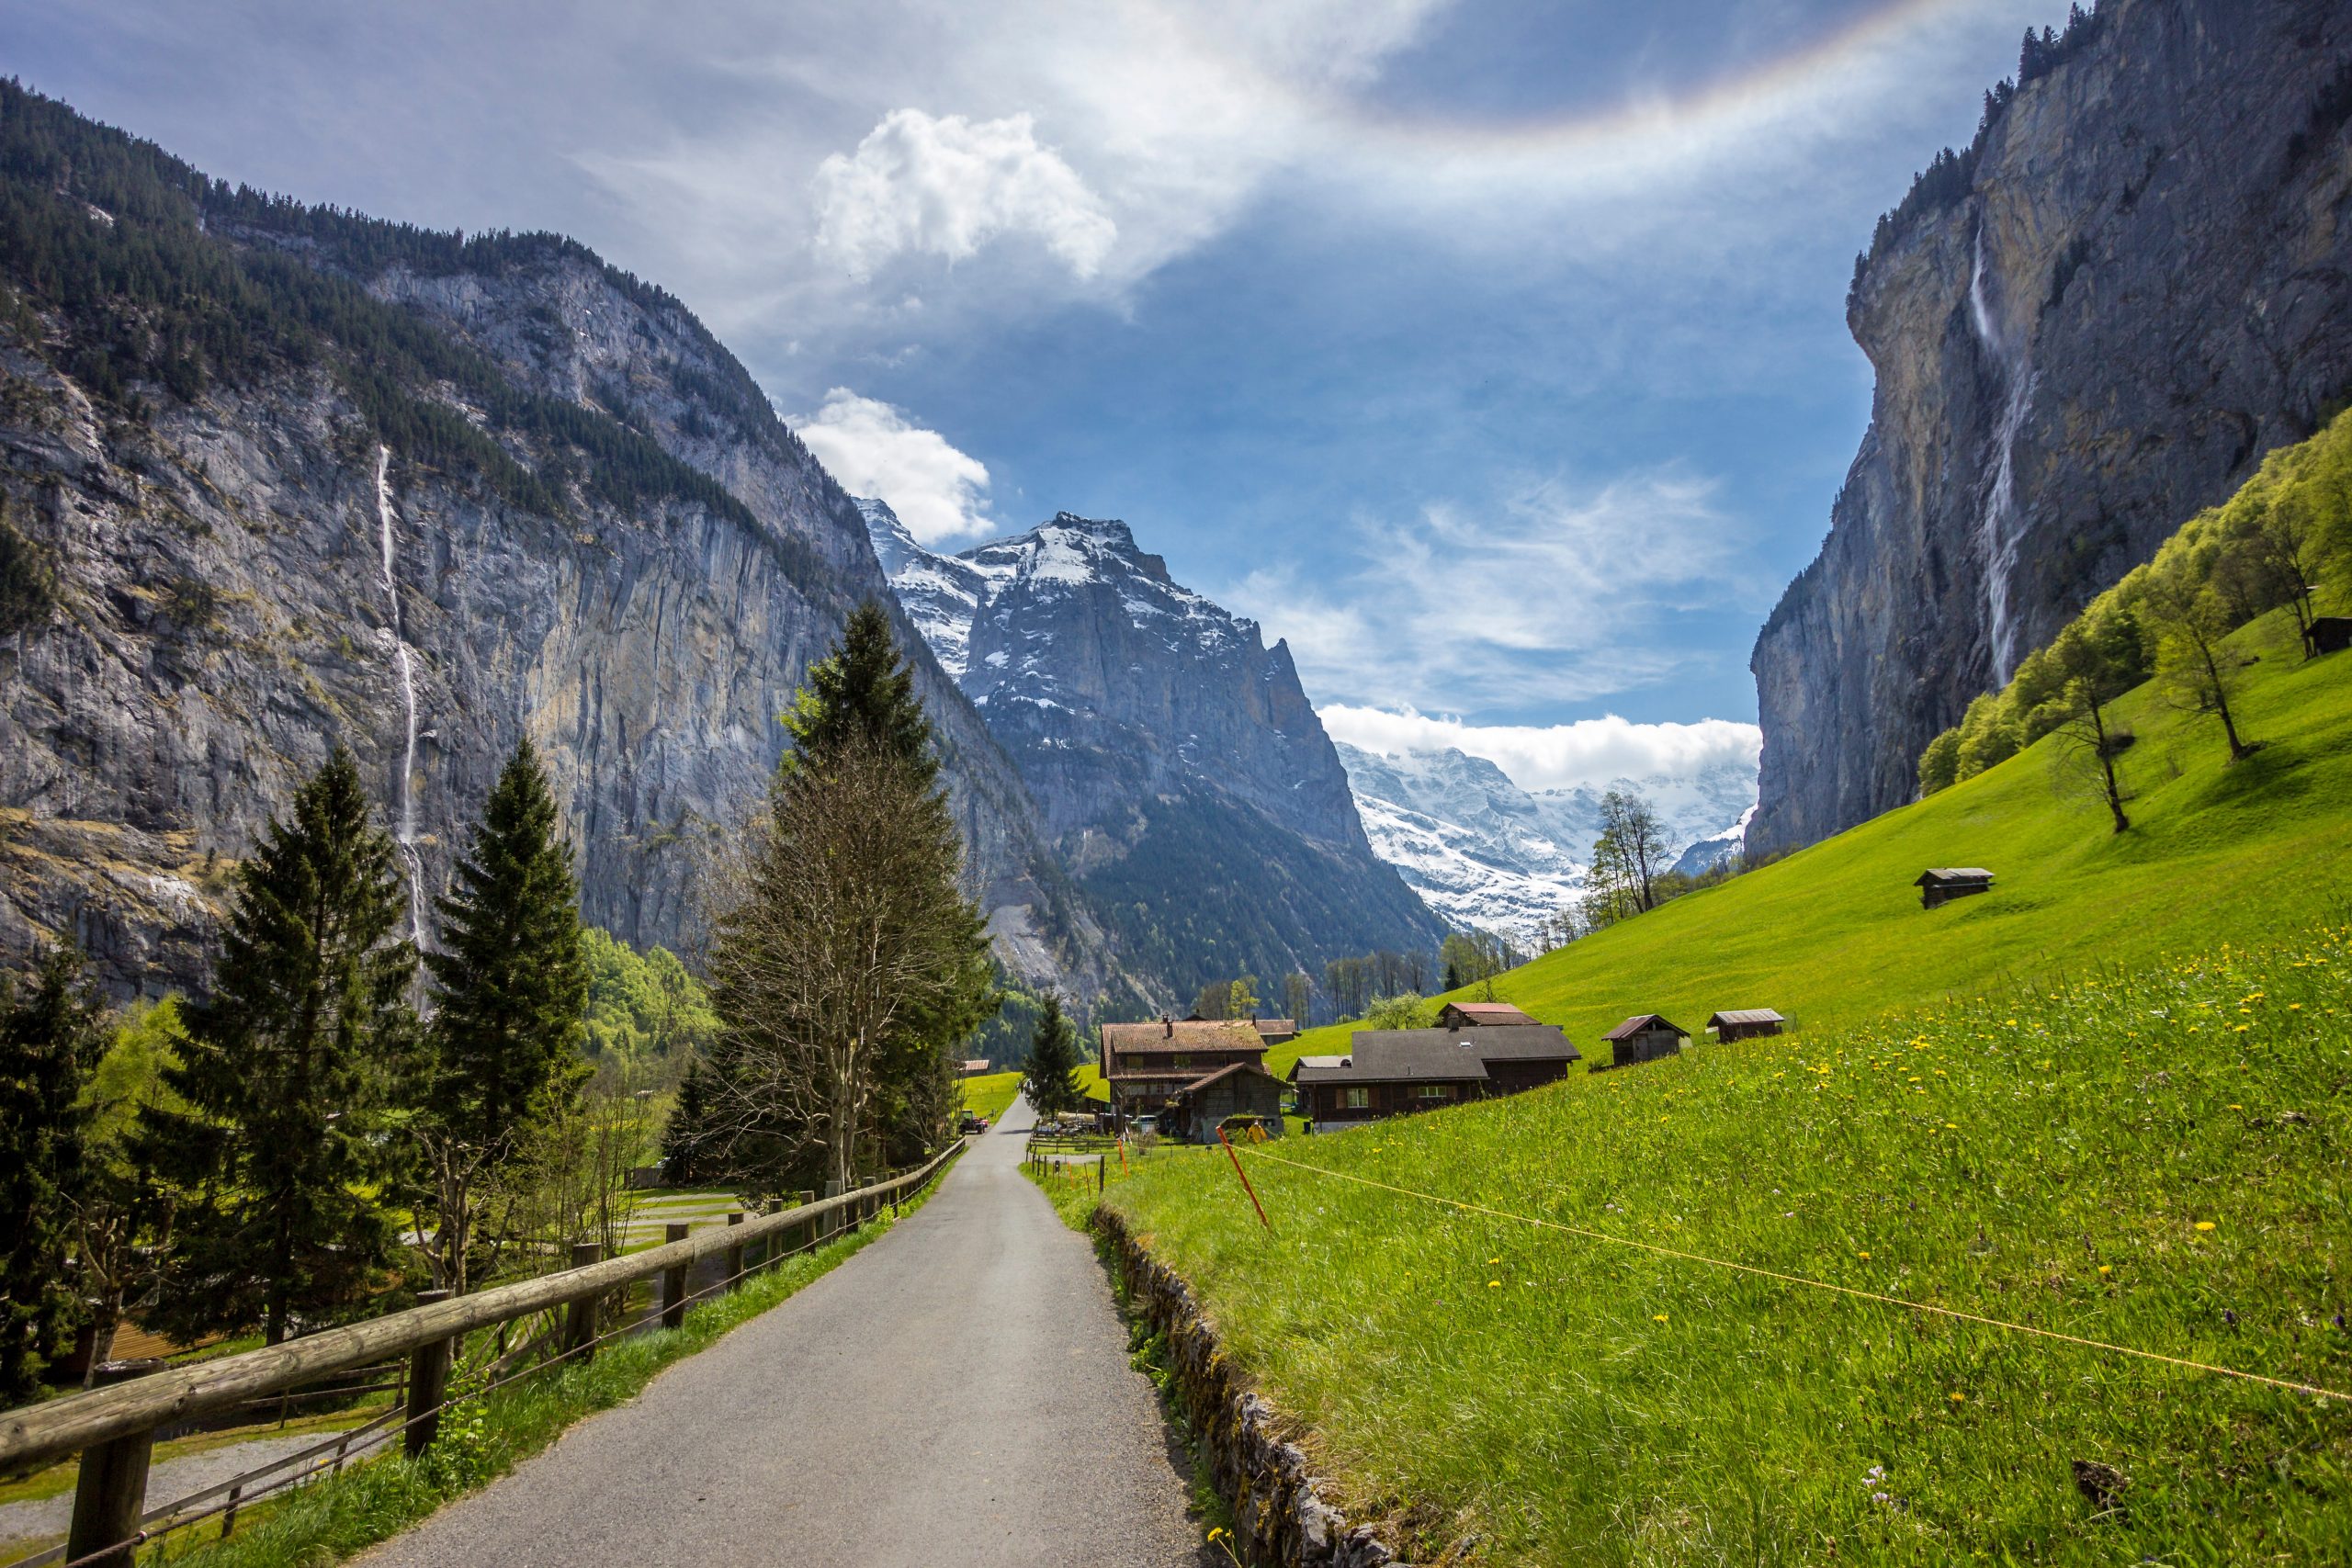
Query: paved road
[(959, 1392)]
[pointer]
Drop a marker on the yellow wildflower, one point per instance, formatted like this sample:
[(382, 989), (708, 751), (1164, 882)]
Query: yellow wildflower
[(2204, 1224)]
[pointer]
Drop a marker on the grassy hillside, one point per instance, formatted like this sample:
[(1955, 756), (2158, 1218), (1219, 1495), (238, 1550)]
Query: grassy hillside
[(2157, 1160), (1834, 935)]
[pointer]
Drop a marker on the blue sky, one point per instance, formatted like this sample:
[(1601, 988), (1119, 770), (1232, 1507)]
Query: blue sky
[(1491, 353)]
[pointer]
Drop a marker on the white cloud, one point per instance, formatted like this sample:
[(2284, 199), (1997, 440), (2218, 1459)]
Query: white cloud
[(873, 449), (1548, 596), (1561, 756), (948, 186)]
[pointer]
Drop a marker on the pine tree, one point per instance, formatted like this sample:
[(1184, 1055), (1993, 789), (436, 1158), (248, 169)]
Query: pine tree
[(51, 1035), (682, 1136), (510, 985), (510, 988), (1050, 1077), (863, 693), (280, 1144)]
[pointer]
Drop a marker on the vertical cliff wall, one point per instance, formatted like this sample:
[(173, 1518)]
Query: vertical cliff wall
[(2084, 329)]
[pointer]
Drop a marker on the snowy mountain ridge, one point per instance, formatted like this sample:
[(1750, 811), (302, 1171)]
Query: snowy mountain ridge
[(1483, 851)]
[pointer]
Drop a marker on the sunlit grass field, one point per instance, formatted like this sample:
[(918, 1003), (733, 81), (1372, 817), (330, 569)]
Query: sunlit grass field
[(2154, 1157), (1834, 935), (991, 1094)]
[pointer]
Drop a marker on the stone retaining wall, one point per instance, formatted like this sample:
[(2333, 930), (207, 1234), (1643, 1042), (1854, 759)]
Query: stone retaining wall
[(1278, 1506)]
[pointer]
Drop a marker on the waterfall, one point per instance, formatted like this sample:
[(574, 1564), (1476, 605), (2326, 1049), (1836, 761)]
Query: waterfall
[(404, 659), (1997, 520)]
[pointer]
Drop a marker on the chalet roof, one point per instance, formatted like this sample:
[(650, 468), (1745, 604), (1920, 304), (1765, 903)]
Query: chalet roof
[(1953, 874), (1744, 1015), (1435, 1055), (1489, 1014), (1274, 1025), (1184, 1034), (1641, 1021), (1226, 1072)]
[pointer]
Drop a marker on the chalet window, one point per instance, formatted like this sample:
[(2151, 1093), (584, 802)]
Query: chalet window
[(1183, 1062), (1356, 1098), (1434, 1091)]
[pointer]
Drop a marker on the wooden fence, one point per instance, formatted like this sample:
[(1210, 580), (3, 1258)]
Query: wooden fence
[(113, 1429)]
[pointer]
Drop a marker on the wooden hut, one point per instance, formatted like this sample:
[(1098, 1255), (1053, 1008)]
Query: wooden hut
[(1244, 1088), (1486, 1015), (1744, 1023), (1940, 885), (2328, 634), (1645, 1038)]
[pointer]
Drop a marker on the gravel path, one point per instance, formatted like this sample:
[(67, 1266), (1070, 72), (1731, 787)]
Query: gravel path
[(958, 1392)]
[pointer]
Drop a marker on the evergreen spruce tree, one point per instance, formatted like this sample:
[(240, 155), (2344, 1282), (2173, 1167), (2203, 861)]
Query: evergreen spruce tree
[(510, 983), (52, 1034), (1050, 1077), (280, 1145), (863, 693), (684, 1133)]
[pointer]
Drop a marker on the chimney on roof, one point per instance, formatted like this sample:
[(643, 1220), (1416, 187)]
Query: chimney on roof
[(1167, 1026)]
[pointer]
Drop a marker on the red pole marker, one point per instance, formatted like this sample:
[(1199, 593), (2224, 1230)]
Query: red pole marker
[(1245, 1180)]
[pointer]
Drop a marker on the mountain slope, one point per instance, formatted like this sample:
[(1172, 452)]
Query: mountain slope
[(305, 478), (2090, 324), (1179, 766)]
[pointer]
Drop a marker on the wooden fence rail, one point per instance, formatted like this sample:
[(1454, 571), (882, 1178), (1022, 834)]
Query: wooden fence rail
[(114, 1427)]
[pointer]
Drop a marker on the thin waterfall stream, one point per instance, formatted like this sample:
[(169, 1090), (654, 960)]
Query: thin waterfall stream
[(404, 659), (1996, 533)]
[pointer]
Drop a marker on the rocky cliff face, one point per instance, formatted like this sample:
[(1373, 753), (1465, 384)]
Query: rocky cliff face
[(1182, 771), (2085, 330), (264, 548)]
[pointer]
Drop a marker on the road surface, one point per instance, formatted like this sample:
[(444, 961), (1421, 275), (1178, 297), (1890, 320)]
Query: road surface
[(958, 1392)]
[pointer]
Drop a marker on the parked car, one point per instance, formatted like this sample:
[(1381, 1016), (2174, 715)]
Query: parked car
[(1143, 1124)]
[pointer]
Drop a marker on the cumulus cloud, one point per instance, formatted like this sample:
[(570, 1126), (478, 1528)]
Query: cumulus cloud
[(1550, 594), (873, 449), (1560, 756), (948, 186)]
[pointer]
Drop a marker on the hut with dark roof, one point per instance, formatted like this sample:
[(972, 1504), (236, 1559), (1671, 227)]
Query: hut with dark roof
[(1481, 1015), (1745, 1023), (1645, 1038), (1940, 885), (1386, 1072)]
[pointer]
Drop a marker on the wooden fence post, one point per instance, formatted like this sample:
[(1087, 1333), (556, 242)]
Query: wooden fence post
[(673, 1281), (579, 1313), (428, 1385), (807, 1227), (735, 1253), (831, 1220), (109, 1498)]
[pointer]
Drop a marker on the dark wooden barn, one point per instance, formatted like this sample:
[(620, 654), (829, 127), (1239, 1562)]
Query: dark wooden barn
[(2328, 634), (1745, 1023), (1942, 884), (1645, 1038)]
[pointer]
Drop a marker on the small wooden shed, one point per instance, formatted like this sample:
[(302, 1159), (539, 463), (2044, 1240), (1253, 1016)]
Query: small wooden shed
[(2327, 634), (1745, 1023), (1941, 884), (1645, 1038), (1244, 1088), (1486, 1015)]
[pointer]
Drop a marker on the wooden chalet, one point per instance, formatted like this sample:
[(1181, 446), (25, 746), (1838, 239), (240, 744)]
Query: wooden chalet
[(1941, 884), (1482, 1015), (1745, 1023), (1146, 1065), (1387, 1072), (1645, 1038), (1194, 1112)]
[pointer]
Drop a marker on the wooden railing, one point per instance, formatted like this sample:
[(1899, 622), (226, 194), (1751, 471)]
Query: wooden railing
[(114, 1428)]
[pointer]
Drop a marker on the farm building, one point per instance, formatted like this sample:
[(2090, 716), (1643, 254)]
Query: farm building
[(972, 1066), (1145, 1065), (2328, 634), (1477, 1015), (1390, 1071), (1941, 884), (1245, 1089), (1745, 1023), (1645, 1038), (1275, 1031)]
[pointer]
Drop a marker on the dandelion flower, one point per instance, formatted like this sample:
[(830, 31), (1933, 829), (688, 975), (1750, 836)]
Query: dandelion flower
[(1493, 1284), (2106, 1268), (2237, 1108), (2204, 1224), (1960, 1399), (1657, 1317), (1863, 1256)]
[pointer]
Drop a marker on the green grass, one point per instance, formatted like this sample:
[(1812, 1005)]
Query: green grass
[(2046, 1157), (991, 1094), (327, 1522), (1834, 935)]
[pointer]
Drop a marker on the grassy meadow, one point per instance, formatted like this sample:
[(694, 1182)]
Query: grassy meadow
[(990, 1094), (1834, 935), (2108, 1099), (2153, 1157)]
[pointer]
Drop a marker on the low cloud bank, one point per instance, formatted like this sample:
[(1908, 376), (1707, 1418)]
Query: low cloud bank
[(1560, 756)]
